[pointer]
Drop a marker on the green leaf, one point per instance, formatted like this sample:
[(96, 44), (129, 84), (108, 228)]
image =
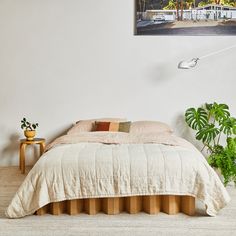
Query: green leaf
[(218, 111), (228, 125), (34, 126), (234, 130), (231, 145), (208, 106), (207, 133), (24, 119), (196, 119), (218, 149)]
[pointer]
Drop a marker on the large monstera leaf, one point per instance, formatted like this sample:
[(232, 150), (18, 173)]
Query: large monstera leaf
[(228, 126), (218, 111), (207, 133), (196, 119)]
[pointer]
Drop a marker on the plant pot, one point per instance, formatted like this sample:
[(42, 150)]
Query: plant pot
[(29, 134)]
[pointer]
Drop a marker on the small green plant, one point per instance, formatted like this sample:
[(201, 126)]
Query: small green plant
[(214, 125), (26, 125)]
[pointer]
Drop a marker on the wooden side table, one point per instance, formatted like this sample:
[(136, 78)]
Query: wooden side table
[(23, 145)]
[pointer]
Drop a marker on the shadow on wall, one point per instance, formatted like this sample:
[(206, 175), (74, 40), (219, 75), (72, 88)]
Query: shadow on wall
[(185, 132), (161, 73), (59, 133), (11, 149)]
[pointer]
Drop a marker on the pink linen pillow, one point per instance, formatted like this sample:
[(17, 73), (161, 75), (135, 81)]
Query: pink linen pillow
[(140, 127), (89, 125)]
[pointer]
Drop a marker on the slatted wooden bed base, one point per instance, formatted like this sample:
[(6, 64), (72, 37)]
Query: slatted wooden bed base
[(170, 204)]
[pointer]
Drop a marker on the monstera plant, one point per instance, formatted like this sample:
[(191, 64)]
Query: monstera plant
[(216, 129)]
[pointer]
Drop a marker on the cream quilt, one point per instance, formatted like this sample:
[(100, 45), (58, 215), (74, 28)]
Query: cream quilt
[(108, 164)]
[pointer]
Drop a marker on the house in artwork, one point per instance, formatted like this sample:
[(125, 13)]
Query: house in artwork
[(207, 12)]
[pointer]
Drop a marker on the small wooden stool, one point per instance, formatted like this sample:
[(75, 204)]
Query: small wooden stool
[(23, 144)]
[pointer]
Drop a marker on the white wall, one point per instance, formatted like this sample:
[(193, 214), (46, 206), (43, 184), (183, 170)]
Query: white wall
[(65, 60)]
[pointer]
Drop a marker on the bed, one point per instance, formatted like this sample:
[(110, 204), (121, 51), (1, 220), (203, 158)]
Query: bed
[(147, 169)]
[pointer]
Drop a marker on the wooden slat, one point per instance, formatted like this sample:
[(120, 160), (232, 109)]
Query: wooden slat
[(152, 204), (188, 205), (56, 208), (43, 210), (92, 205), (171, 204), (133, 205), (122, 204), (74, 206), (111, 206)]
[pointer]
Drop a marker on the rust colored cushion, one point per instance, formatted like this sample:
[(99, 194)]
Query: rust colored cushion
[(112, 126), (102, 126)]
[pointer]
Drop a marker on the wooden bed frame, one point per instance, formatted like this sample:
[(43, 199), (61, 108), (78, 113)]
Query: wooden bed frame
[(170, 204)]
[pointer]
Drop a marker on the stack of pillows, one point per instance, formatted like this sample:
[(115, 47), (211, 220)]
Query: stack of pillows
[(120, 125)]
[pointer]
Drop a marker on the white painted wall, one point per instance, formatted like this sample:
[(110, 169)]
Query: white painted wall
[(65, 60)]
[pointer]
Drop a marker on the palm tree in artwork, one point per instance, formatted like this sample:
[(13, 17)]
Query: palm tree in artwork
[(171, 5), (177, 9), (179, 6), (161, 4), (142, 5), (189, 4), (231, 3), (182, 9), (218, 2), (185, 4)]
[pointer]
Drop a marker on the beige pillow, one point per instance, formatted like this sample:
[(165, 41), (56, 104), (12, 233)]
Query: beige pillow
[(140, 127), (89, 125)]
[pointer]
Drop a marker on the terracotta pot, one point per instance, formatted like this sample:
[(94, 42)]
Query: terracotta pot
[(29, 134)]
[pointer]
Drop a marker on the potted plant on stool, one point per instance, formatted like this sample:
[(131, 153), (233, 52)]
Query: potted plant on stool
[(29, 129)]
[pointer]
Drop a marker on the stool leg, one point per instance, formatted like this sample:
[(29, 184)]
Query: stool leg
[(42, 148), (22, 157)]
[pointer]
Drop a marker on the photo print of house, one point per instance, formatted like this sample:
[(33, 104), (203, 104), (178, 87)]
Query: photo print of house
[(186, 17)]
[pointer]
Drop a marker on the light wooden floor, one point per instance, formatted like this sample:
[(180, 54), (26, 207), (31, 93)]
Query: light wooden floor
[(124, 224)]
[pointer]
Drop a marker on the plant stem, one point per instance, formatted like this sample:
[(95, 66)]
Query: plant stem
[(219, 138), (209, 147), (203, 148)]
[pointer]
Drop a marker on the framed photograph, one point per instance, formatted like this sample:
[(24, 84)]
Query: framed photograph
[(185, 17)]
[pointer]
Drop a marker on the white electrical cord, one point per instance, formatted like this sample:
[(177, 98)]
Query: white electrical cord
[(193, 62)]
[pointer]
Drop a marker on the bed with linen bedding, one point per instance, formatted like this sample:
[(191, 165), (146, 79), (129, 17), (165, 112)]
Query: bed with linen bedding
[(147, 168)]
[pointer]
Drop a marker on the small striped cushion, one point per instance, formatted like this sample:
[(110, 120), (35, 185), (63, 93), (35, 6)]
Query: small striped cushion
[(112, 126)]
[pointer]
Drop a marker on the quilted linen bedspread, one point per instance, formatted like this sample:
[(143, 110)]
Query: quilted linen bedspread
[(102, 164)]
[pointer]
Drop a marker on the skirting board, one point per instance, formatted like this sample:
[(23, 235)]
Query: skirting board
[(170, 204)]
